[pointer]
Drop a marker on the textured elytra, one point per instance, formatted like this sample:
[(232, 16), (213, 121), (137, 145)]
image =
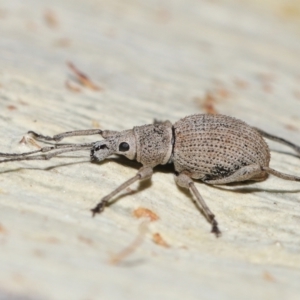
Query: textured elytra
[(212, 147)]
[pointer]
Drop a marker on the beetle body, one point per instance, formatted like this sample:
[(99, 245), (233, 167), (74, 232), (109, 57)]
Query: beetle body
[(216, 149), (207, 147)]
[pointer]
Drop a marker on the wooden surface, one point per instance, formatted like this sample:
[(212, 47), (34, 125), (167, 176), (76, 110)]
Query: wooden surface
[(151, 59)]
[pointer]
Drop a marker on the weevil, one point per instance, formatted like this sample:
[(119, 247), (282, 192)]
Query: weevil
[(215, 149)]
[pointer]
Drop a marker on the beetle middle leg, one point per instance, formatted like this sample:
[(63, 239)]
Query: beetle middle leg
[(185, 181), (142, 174)]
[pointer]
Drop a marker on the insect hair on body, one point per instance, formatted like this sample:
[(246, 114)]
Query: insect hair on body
[(215, 149)]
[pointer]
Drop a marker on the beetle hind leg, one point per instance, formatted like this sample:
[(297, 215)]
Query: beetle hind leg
[(278, 139), (260, 177), (183, 180), (281, 175), (251, 172)]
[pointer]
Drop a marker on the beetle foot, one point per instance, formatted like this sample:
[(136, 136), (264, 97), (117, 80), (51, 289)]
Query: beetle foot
[(215, 229), (99, 208)]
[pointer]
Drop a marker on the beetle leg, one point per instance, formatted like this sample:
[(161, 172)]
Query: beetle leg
[(142, 174), (252, 172), (281, 175), (59, 137), (278, 139), (46, 152), (185, 181)]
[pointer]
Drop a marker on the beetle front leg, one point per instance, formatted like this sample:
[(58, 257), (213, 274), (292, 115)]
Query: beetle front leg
[(185, 181), (61, 136), (46, 152), (142, 174)]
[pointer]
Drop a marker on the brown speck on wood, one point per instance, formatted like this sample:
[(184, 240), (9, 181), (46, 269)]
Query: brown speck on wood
[(51, 19), (208, 103), (157, 239), (267, 88), (240, 83), (290, 11), (95, 124), (52, 240), (71, 87), (34, 143), (22, 102), (29, 140), (143, 212), (163, 16), (85, 240), (11, 107), (268, 277), (63, 43), (291, 127), (23, 140), (119, 257), (82, 78), (266, 80), (3, 230), (223, 93), (38, 253)]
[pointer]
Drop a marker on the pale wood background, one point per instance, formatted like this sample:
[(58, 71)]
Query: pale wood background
[(153, 59)]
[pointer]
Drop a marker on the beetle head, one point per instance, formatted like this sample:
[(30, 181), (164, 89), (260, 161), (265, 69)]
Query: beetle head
[(120, 143)]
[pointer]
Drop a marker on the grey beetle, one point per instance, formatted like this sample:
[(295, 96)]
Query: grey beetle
[(215, 149)]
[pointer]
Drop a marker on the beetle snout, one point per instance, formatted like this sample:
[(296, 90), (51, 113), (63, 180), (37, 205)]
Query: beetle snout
[(100, 151)]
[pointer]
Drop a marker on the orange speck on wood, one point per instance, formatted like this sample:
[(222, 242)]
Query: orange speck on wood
[(51, 18), (157, 239), (82, 78), (143, 212), (209, 104)]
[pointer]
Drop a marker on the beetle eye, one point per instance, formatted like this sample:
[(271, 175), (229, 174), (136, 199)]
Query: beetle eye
[(124, 147)]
